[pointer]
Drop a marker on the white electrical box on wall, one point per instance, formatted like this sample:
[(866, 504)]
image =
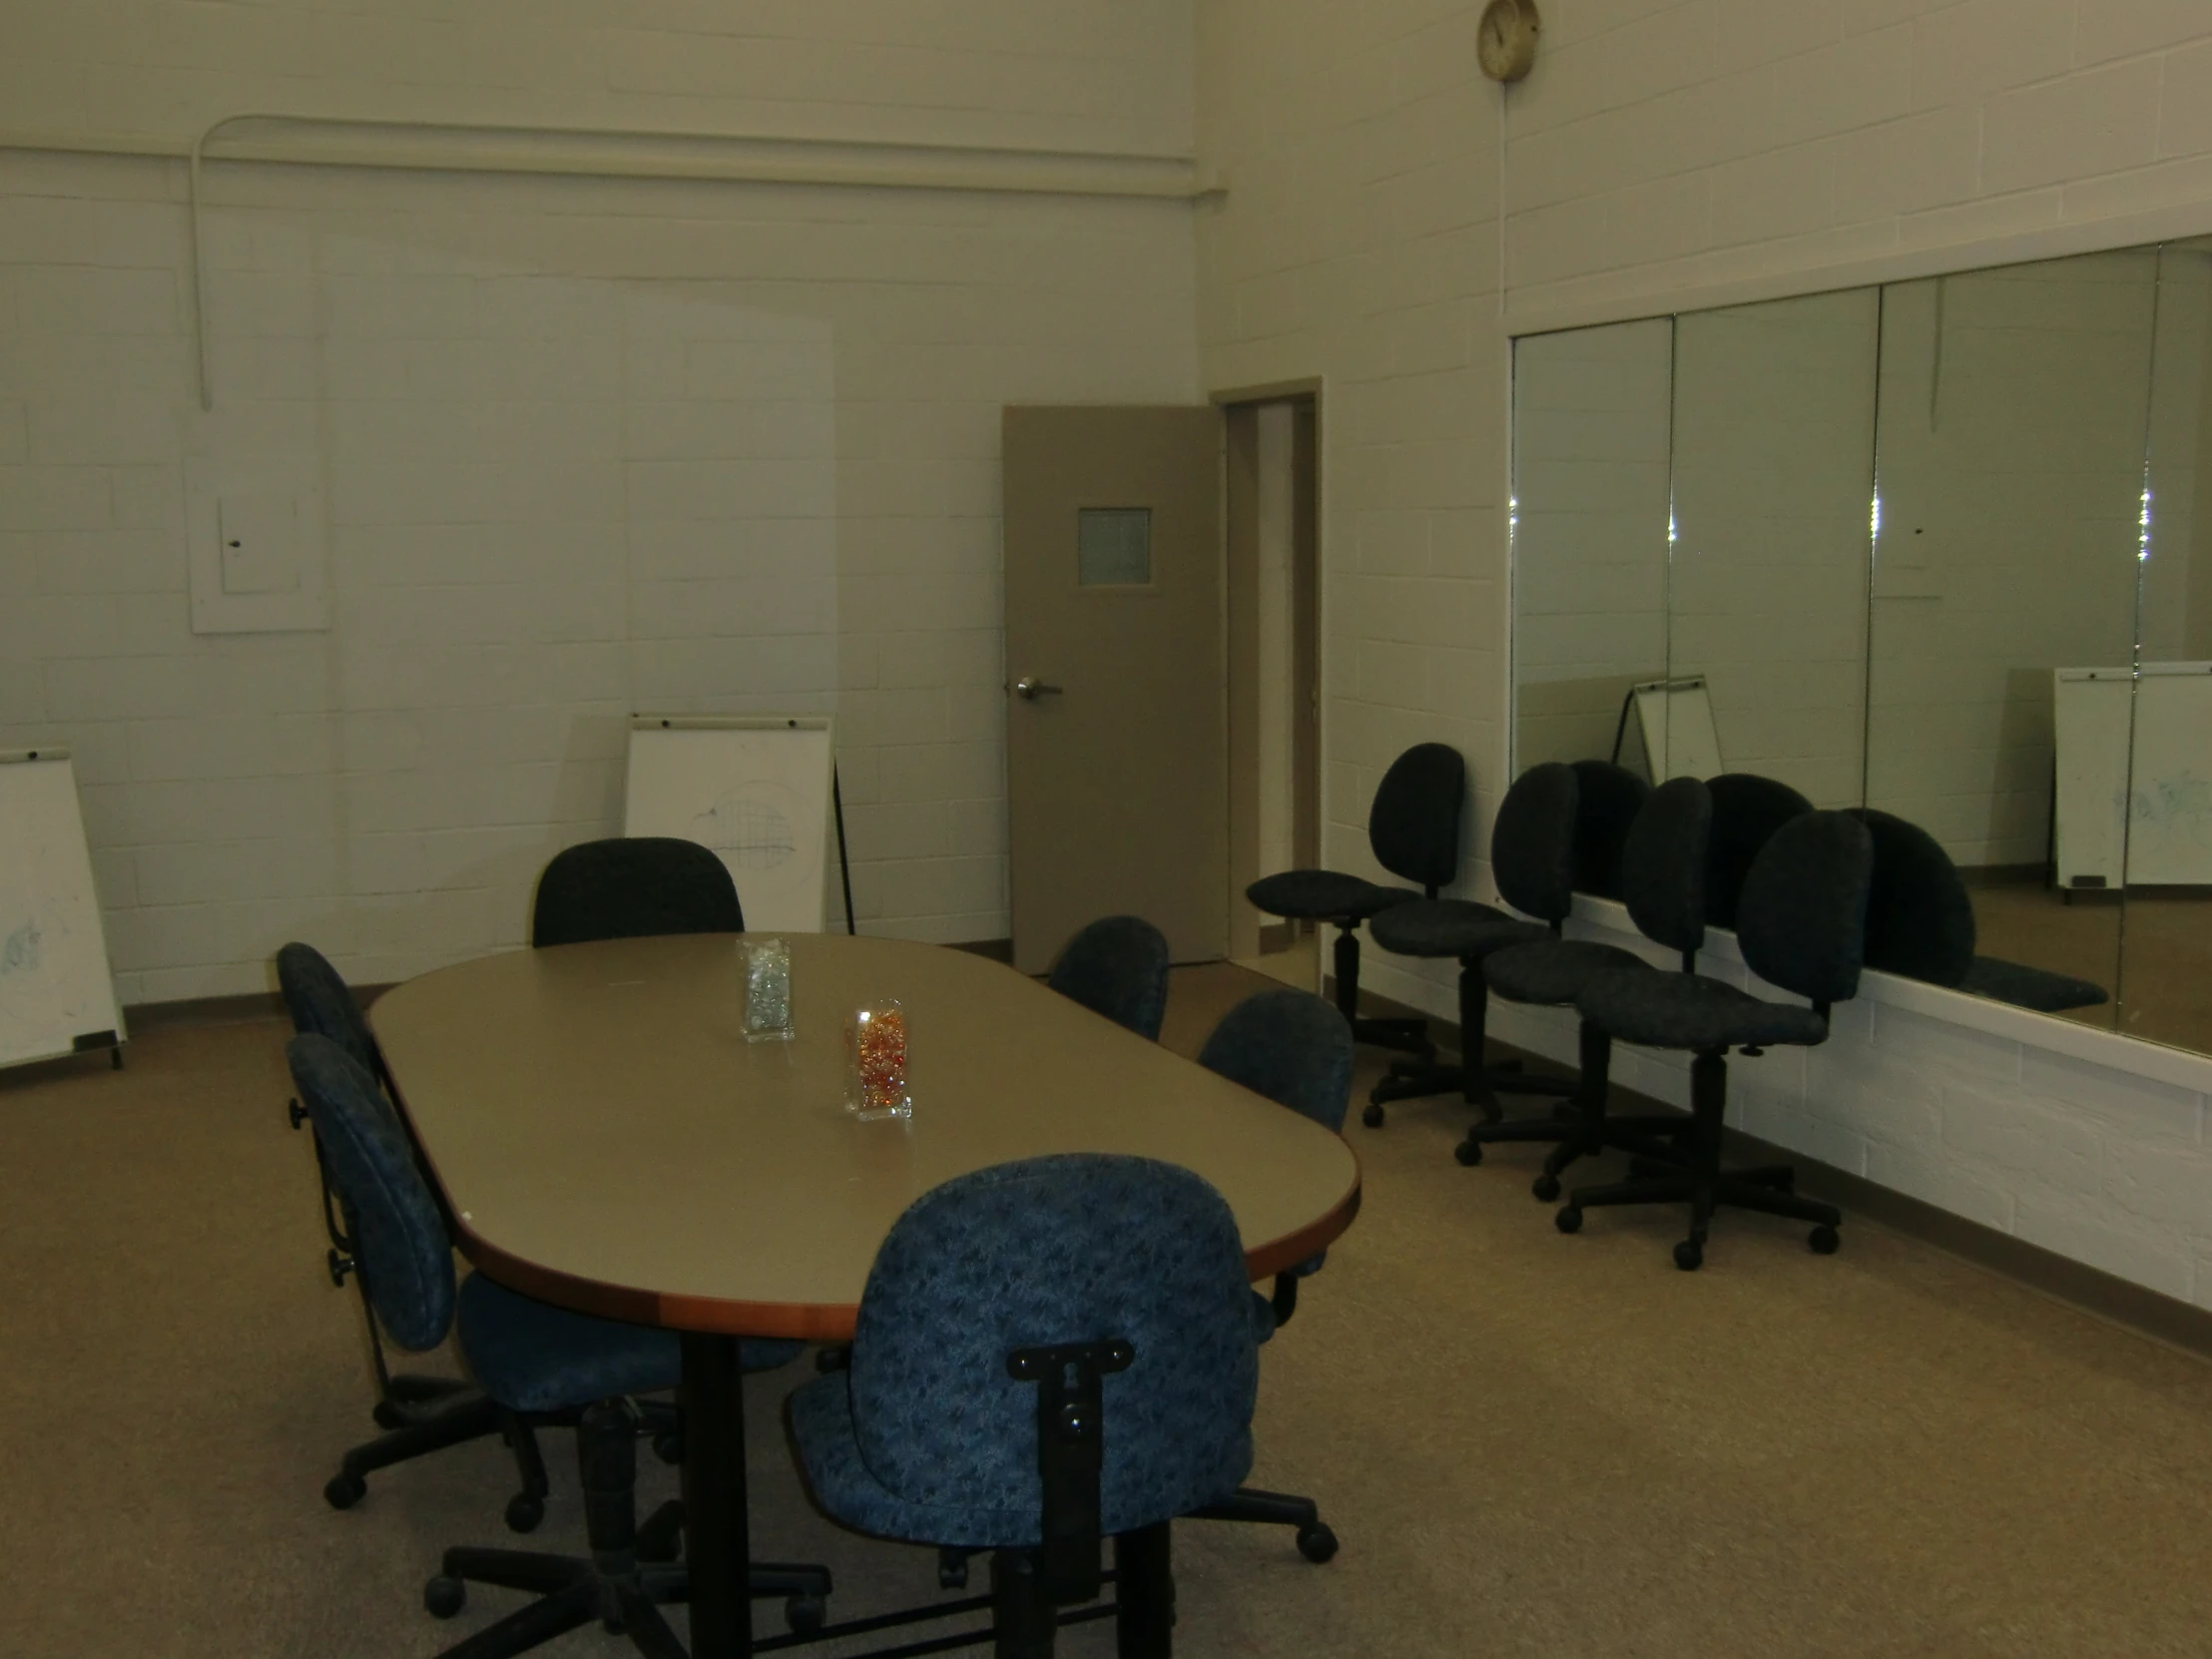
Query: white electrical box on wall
[(259, 557)]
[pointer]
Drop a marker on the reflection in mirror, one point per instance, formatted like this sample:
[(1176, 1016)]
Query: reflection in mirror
[(1590, 413), (1772, 440), (2015, 410)]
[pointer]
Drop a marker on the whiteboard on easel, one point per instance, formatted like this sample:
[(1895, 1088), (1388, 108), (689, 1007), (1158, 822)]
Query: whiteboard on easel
[(56, 993), (756, 789), (1675, 720)]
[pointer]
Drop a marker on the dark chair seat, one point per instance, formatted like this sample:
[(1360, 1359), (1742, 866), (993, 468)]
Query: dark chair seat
[(1323, 895), (1455, 928), (1554, 972), (533, 1356), (1687, 1010), (2030, 987)]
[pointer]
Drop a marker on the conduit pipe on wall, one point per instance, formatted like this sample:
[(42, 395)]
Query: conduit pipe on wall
[(465, 147)]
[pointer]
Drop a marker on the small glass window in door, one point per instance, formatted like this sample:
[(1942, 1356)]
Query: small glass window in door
[(1113, 547)]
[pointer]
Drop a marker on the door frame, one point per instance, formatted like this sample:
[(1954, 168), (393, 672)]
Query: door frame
[(1240, 408)]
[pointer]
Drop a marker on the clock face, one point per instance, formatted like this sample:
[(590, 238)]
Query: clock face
[(1506, 43)]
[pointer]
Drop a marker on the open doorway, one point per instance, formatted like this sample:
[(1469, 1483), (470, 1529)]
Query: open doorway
[(1272, 615)]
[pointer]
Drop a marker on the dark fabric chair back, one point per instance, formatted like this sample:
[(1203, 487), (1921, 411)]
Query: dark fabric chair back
[(1802, 920), (1663, 864), (1413, 825), (318, 1001), (1747, 809), (1920, 917), (1290, 1046), (631, 887), (1117, 966), (1607, 799), (1075, 1247), (1532, 846), (400, 1246)]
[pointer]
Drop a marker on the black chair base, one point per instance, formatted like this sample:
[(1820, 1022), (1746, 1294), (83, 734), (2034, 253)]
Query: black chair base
[(631, 1573), (1247, 1503), (1478, 1086), (1406, 1034), (1699, 1180), (1580, 1127)]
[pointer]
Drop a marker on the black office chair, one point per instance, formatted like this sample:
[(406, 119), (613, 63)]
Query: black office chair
[(531, 1358), (1531, 855), (1747, 811), (634, 887), (1801, 923), (1921, 923), (1117, 966), (1607, 798), (419, 1413), (1413, 829)]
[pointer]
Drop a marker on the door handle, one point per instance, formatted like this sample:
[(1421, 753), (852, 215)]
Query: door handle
[(1029, 689)]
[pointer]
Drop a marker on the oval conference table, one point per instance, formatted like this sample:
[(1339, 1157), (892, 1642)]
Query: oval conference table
[(609, 1141)]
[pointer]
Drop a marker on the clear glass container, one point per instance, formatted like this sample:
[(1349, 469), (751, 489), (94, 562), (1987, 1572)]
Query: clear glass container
[(876, 1062), (768, 991)]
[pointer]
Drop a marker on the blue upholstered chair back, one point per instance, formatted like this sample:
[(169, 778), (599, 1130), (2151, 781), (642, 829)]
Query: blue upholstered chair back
[(1532, 843), (318, 1001), (1606, 802), (1290, 1046), (1802, 922), (1117, 966), (1747, 811), (1076, 1248), (1663, 866), (632, 886), (1413, 825), (399, 1239)]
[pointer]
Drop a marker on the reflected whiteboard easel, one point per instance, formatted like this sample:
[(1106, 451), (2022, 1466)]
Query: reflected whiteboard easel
[(57, 995), (761, 792), (2132, 790), (1674, 717)]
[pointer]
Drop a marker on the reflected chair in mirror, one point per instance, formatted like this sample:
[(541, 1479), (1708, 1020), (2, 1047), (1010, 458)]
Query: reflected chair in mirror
[(1747, 811), (531, 1358), (1607, 798), (1117, 966), (1297, 1050), (1662, 872), (1048, 1354), (1920, 924), (1533, 859), (1413, 830), (419, 1413), (632, 886), (1801, 925)]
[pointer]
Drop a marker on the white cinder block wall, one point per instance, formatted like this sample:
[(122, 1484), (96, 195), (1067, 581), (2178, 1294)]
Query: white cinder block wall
[(1389, 209), (583, 447)]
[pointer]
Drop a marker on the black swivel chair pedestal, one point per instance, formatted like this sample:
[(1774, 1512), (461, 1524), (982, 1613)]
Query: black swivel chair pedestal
[(1413, 829)]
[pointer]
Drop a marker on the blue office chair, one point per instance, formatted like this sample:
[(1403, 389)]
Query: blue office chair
[(420, 1413), (1048, 1353), (530, 1358), (1117, 966), (632, 886)]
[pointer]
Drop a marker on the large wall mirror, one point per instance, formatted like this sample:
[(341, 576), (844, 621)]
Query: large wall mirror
[(1939, 552)]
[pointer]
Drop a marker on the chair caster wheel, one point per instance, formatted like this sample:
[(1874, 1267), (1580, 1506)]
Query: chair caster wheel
[(524, 1513), (1372, 1115), (342, 1492), (1568, 1220), (443, 1597), (806, 1614), (1469, 1152), (1689, 1255), (1825, 1241), (952, 1569), (1316, 1543), (1545, 1187), (669, 1447), (389, 1416)]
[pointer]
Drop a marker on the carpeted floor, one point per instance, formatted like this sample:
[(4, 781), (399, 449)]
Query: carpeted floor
[(1529, 1444)]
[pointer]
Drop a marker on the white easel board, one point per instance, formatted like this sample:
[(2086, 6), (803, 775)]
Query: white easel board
[(56, 993), (2090, 714), (1675, 720), (756, 789), (2169, 829)]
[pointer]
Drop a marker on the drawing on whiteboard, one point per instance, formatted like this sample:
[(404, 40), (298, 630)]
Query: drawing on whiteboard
[(751, 826), (20, 953), (31, 999), (2186, 799)]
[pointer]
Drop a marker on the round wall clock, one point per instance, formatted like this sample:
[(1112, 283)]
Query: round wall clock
[(1506, 43)]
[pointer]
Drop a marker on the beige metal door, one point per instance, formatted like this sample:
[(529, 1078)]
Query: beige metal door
[(1115, 719)]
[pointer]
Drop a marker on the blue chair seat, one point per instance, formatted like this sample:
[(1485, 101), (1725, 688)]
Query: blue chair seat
[(530, 1356), (1687, 1010), (1456, 928), (1323, 895), (1552, 972)]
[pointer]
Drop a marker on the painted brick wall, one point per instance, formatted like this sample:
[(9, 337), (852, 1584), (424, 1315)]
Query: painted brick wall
[(585, 446)]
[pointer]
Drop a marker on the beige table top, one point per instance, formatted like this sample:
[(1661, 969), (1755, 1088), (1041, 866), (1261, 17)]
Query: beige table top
[(609, 1141)]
